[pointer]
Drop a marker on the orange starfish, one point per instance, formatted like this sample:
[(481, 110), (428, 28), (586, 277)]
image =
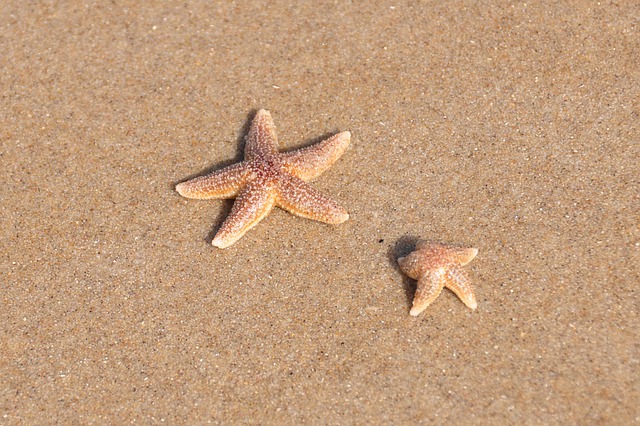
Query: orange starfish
[(436, 266), (268, 178)]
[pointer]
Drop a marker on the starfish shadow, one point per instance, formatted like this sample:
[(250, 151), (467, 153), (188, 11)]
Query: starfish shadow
[(240, 143), (403, 247)]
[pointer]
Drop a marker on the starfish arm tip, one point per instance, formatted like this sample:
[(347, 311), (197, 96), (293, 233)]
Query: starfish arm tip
[(336, 219), (180, 188), (471, 303), (467, 255), (186, 190), (342, 218), (220, 243), (415, 311), (263, 114)]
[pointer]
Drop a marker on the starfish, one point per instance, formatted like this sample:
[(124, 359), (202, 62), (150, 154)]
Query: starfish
[(436, 266), (268, 178)]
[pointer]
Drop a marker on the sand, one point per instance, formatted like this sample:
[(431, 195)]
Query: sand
[(508, 127)]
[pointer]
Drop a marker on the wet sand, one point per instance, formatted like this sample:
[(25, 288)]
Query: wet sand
[(511, 128)]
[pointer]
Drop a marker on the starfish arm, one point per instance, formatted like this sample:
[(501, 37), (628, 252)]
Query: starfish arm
[(412, 264), (262, 138), (296, 197), (429, 287), (465, 255), (223, 183), (308, 163), (252, 204), (457, 281)]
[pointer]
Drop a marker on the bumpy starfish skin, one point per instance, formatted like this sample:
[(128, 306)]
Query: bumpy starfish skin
[(436, 266), (268, 178)]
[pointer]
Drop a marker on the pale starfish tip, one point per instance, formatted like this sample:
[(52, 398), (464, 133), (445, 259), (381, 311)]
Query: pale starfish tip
[(468, 255), (180, 189), (220, 243), (414, 312), (470, 301)]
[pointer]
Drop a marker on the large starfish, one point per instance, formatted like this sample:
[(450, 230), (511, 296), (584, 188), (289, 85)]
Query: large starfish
[(268, 178), (436, 266)]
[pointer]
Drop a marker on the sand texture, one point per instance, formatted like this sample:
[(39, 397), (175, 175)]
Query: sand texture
[(508, 127)]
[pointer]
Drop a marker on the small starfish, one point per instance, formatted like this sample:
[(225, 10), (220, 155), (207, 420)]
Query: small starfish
[(268, 178), (436, 266)]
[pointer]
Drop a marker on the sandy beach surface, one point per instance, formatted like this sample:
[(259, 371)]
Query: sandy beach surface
[(506, 126)]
